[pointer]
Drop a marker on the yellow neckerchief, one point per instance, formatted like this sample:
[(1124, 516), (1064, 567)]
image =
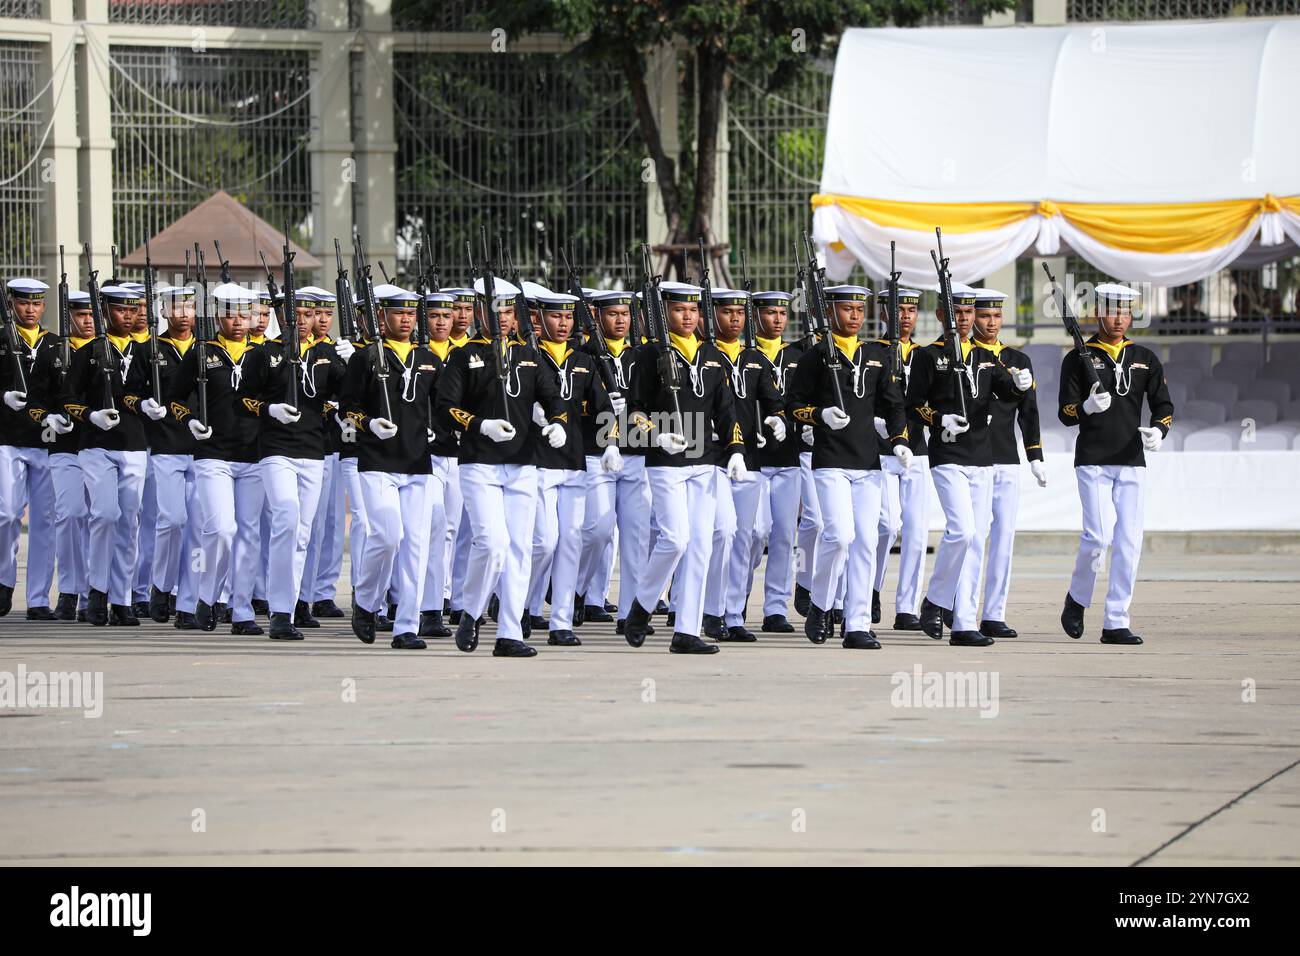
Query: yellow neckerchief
[(305, 344), (1111, 350), (965, 347), (234, 349), (77, 343), (616, 346), (30, 335), (441, 349), (140, 336), (558, 351), (994, 347), (688, 345), (847, 345), (182, 345), (770, 347), (401, 349), (458, 342), (731, 350), (120, 342), (258, 339), (906, 348)]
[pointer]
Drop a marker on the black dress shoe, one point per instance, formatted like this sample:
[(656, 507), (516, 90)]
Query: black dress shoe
[(431, 625), (861, 641), (40, 614), (326, 608), (907, 622), (690, 644), (383, 625), (407, 642), (661, 607), (946, 616), (494, 607), (6, 599), (65, 609), (261, 606), (635, 627), (670, 620), (610, 609), (221, 613), (171, 604), (282, 628), (96, 608), (996, 629), (453, 616), (777, 624), (738, 635), (81, 615), (837, 616), (968, 639), (446, 609), (363, 624), (1072, 617), (713, 627), (467, 634), (802, 600), (505, 648), (1119, 635), (563, 639), (140, 608), (185, 621), (122, 615), (302, 615), (596, 614), (246, 627), (621, 625), (537, 622), (817, 625), (526, 627), (159, 611), (203, 614), (875, 607), (932, 619), (579, 612)]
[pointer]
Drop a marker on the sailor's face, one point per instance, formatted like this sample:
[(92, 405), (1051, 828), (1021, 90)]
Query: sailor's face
[(258, 320), (730, 321), (324, 321), (772, 319), (234, 325), (180, 319), (615, 320), (849, 317), (906, 319), (462, 316), (398, 323), (440, 322), (965, 319), (28, 312), (83, 322), (559, 325), (1114, 319), (988, 322), (683, 317), (122, 318)]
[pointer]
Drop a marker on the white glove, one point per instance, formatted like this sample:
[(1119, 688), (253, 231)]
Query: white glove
[(619, 402), (736, 469), (1039, 468), (105, 418), (904, 456), (429, 432), (57, 423), (287, 414), (153, 409), (611, 462), (1022, 378), (672, 442), (497, 429), (344, 349), (1151, 438), (554, 434), (881, 428), (1097, 400), (954, 424), (806, 433), (539, 416), (777, 424), (382, 428), (199, 430), (16, 400), (762, 442), (834, 418)]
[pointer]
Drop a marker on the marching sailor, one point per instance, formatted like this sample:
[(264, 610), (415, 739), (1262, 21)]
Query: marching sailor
[(444, 481), (458, 534), (1109, 457)]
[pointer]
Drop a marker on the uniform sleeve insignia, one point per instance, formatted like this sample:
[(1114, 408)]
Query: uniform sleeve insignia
[(736, 437), (926, 413), (131, 401), (78, 411), (462, 417), (1071, 410), (1166, 421), (179, 411), (253, 405), (475, 362), (804, 414)]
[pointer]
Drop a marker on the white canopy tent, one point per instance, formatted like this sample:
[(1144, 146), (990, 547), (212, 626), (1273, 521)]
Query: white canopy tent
[(1160, 153)]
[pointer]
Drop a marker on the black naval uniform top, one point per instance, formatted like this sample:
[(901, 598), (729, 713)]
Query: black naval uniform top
[(51, 375), (916, 439), (21, 429), (705, 397), (446, 441), (1021, 408), (234, 434), (84, 393), (624, 356), (411, 373), (469, 393), (265, 382), (869, 391), (577, 376), (782, 360), (752, 387), (167, 436), (1129, 372), (932, 393)]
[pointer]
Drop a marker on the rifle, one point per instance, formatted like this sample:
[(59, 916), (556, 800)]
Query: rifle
[(608, 364), (151, 322), (434, 283), (818, 309), (635, 328), (113, 252), (185, 276), (223, 261), (204, 323), (522, 314), (950, 316), (1072, 326), (366, 286), (11, 339), (656, 322), (500, 345), (891, 318), (101, 333), (65, 321), (343, 292), (292, 353), (809, 340), (422, 307), (751, 322), (384, 272), (707, 322)]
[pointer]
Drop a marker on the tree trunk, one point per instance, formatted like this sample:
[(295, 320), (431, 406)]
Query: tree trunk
[(633, 65), (712, 74)]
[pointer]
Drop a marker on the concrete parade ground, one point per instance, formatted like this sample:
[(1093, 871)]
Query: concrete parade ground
[(213, 749)]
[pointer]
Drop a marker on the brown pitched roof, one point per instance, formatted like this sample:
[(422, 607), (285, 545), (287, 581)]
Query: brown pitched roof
[(242, 235)]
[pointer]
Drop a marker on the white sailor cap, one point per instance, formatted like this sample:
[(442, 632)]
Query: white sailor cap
[(611, 297), (905, 297), (133, 286), (557, 302), (120, 295), (962, 294), (26, 288), (847, 293), (501, 288), (1114, 292), (989, 298), (534, 290), (176, 292), (396, 298), (680, 291), (589, 292), (729, 296), (313, 293), (386, 288), (441, 299), (772, 297), (234, 297), (78, 299), (325, 297), (460, 294)]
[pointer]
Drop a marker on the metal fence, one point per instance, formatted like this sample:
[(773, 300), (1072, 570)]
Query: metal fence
[(267, 14), (1096, 10), (22, 123), (538, 148), (188, 124), (20, 9)]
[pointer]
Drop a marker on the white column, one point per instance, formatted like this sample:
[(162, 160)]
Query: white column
[(661, 84), (1049, 12), (376, 149), (58, 161), (333, 167), (95, 159)]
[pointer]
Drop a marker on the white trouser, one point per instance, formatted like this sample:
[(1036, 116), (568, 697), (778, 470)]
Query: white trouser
[(454, 507), (905, 507), (356, 516), (230, 502), (263, 551), (724, 535), (620, 500), (810, 523), (683, 501), (397, 545), (146, 534), (850, 508), (25, 480), (320, 541), (779, 516), (114, 485), (1113, 499), (964, 492), (292, 489), (557, 542), (71, 540), (171, 479), (435, 575), (1002, 535), (500, 501), (745, 498)]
